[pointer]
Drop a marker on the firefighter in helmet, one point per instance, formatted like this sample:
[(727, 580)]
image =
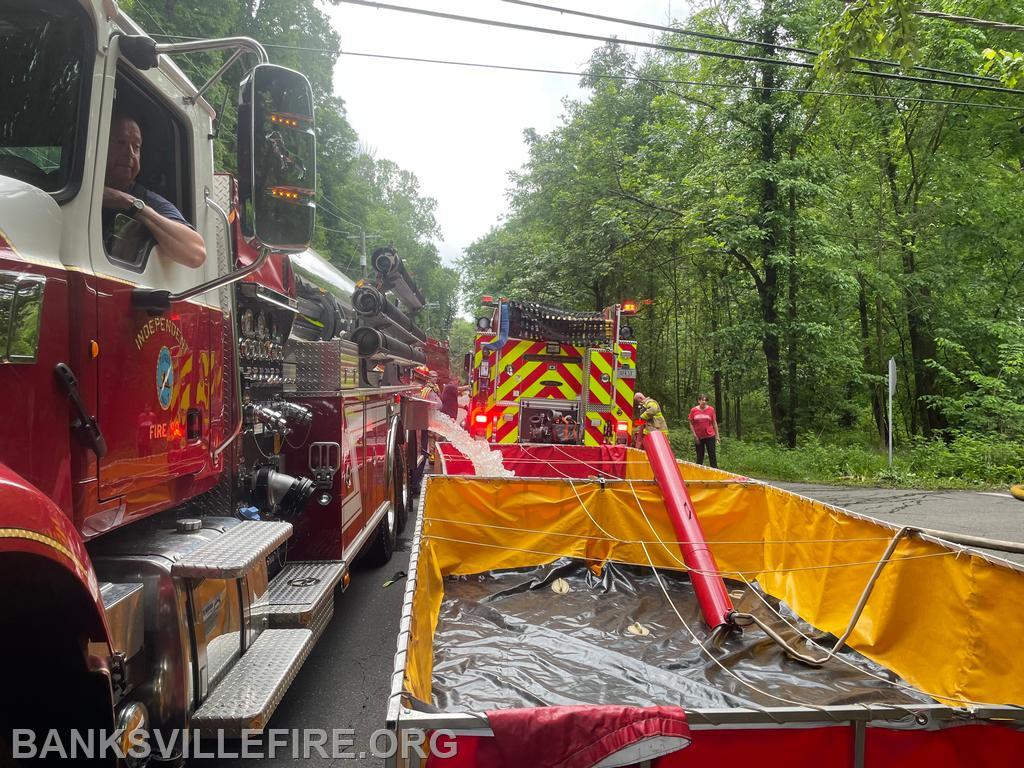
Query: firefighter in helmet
[(431, 389), (649, 412)]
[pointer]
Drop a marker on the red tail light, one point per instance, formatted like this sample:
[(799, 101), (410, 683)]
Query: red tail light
[(480, 418)]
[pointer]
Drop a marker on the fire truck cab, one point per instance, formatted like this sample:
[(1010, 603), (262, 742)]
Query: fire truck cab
[(544, 375), (168, 429)]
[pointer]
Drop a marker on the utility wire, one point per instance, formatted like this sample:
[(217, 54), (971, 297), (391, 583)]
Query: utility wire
[(633, 78), (740, 40), (667, 81), (670, 48), (331, 208), (970, 21)]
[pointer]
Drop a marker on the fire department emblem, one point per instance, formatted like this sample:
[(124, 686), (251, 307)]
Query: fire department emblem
[(164, 377)]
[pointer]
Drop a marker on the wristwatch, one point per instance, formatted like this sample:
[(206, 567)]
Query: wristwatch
[(136, 206)]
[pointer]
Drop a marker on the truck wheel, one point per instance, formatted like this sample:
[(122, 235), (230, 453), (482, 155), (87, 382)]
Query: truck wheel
[(383, 541), (401, 496)]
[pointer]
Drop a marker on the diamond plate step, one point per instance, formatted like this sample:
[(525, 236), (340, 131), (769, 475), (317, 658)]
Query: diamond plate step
[(251, 690), (234, 553), (300, 592)]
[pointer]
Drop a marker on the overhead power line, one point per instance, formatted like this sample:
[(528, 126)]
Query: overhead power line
[(634, 79), (335, 211), (696, 83), (740, 40), (970, 21), (671, 48)]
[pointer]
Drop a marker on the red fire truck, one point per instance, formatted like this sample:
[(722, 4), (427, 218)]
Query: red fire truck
[(544, 375), (190, 458)]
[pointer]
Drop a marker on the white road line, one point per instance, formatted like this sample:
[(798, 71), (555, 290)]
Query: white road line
[(993, 493)]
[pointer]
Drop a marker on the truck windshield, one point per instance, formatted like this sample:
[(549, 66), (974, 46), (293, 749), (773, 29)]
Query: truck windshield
[(41, 73)]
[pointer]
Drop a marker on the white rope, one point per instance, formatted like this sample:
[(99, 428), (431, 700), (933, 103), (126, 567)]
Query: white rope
[(847, 662), (609, 537), (552, 463), (586, 464), (646, 541), (650, 525), (527, 551), (712, 657), (587, 511)]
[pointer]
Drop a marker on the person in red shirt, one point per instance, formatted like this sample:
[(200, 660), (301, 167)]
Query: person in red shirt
[(704, 425)]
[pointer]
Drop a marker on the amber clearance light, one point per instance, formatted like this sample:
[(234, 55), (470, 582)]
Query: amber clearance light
[(290, 194), (287, 120)]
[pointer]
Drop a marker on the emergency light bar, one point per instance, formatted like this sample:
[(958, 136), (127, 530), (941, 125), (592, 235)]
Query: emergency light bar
[(629, 307)]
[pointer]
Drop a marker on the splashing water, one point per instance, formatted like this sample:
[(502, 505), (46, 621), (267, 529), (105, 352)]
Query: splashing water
[(486, 462)]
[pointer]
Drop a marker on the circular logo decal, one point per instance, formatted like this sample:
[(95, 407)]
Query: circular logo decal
[(164, 377)]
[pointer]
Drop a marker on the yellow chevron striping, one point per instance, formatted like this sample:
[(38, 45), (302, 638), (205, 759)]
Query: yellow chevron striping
[(600, 391)]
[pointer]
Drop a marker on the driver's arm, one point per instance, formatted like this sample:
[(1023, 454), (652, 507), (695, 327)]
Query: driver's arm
[(176, 241)]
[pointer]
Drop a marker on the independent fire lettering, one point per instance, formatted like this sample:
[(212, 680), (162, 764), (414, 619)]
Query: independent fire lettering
[(147, 331)]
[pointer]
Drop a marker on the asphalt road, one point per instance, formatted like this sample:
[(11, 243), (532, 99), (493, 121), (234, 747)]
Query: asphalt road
[(345, 682)]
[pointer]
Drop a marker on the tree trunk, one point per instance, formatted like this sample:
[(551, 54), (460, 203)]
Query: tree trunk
[(738, 425), (675, 325), (875, 390), (769, 213), (917, 300), (791, 342), (716, 368)]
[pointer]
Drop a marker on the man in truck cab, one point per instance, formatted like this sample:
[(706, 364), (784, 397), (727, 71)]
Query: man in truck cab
[(122, 194)]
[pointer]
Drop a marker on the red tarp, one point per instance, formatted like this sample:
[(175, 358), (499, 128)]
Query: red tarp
[(535, 460), (978, 745), (566, 737)]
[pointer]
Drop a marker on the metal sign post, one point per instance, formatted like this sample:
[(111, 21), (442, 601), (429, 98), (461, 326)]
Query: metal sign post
[(892, 391)]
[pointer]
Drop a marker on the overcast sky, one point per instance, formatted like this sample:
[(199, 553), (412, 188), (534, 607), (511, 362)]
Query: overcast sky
[(460, 130)]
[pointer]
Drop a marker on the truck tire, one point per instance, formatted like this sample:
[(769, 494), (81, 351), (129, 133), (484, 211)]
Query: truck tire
[(385, 537), (402, 497), (382, 545)]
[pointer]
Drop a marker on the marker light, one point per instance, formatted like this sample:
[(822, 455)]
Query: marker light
[(480, 418), (286, 120), (291, 194)]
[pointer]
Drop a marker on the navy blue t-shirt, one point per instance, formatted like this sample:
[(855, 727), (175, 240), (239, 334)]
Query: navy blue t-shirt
[(161, 205)]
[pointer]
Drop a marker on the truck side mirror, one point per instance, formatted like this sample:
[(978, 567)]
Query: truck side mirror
[(467, 363), (277, 158)]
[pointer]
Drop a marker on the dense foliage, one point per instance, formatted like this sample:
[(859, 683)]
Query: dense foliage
[(358, 193), (792, 238)]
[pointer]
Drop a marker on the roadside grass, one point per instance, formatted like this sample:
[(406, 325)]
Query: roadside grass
[(966, 462)]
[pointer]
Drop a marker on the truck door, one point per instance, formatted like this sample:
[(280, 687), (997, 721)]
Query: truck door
[(158, 373)]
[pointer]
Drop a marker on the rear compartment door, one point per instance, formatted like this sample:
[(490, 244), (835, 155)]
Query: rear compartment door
[(600, 385)]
